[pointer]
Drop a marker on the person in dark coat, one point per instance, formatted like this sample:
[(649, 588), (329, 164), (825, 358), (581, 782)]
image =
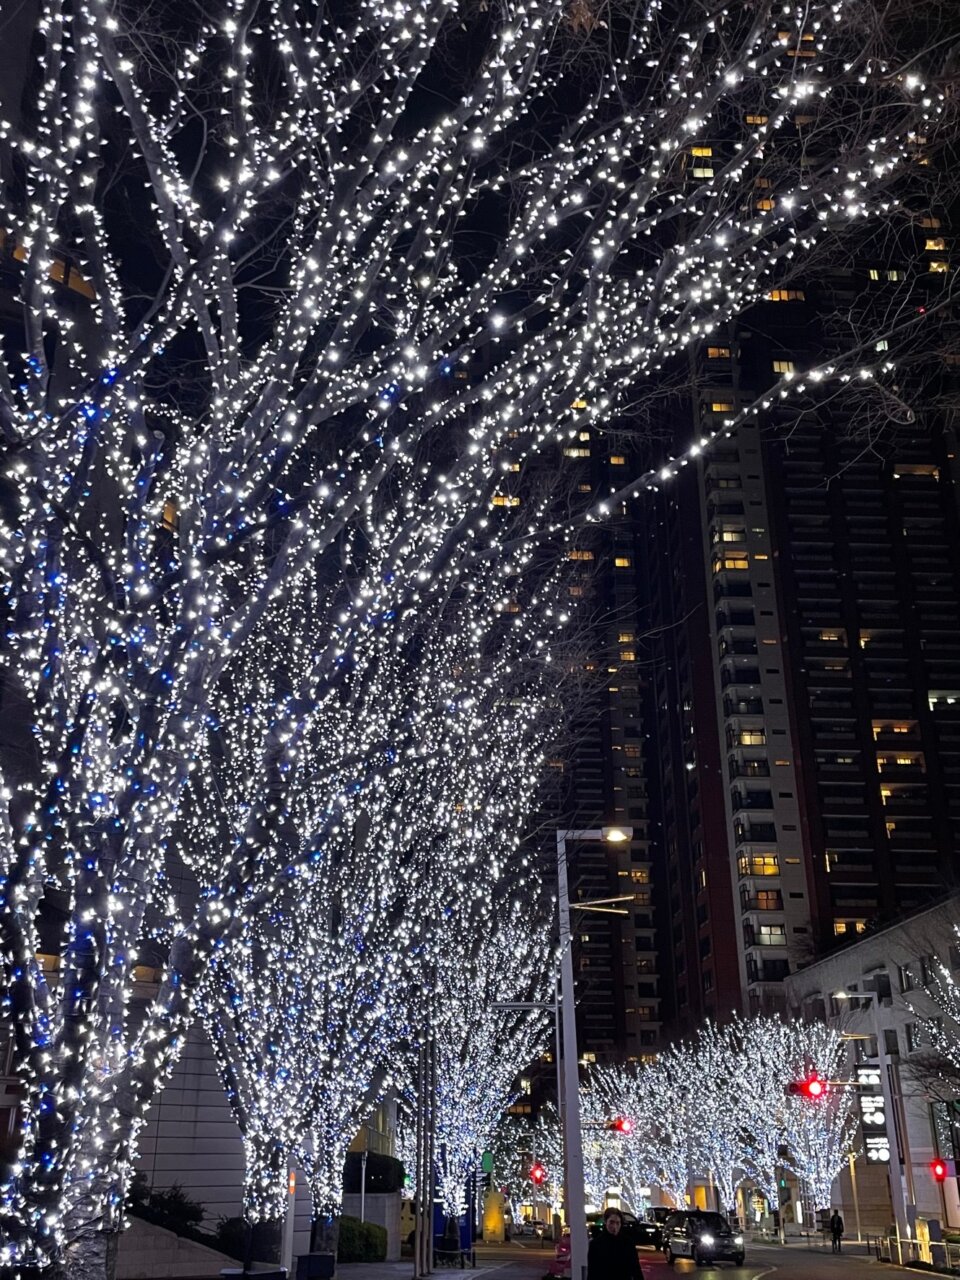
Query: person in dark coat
[(836, 1232), (612, 1256)]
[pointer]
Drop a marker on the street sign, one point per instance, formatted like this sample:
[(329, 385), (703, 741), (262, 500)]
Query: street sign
[(873, 1115)]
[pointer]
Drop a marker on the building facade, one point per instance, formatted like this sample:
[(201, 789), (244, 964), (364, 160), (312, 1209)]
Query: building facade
[(875, 987)]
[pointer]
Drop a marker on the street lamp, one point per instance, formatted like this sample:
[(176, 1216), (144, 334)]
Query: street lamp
[(896, 1172), (572, 1140)]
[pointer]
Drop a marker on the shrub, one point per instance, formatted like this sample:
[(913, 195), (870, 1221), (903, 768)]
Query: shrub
[(231, 1238), (361, 1241)]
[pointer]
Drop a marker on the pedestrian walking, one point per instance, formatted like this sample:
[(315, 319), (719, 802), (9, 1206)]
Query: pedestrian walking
[(836, 1232), (612, 1256)]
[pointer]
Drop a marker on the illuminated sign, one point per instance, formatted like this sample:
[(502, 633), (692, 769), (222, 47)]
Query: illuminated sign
[(873, 1115)]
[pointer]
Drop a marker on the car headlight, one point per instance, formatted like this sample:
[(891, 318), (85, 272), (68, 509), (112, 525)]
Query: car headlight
[(706, 1239), (738, 1239)]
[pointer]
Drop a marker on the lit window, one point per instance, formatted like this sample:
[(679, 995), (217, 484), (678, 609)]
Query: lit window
[(763, 183), (756, 118), (584, 488), (839, 927), (783, 366), (701, 171), (874, 273), (626, 637), (786, 295), (934, 242), (882, 345), (759, 864), (505, 500), (579, 555), (733, 535), (832, 636), (514, 466), (718, 353), (627, 655), (170, 519), (915, 469), (737, 560), (576, 592), (939, 266), (753, 737), (617, 460), (576, 452), (721, 406), (583, 436), (579, 403), (622, 562), (508, 606), (930, 222), (701, 151), (894, 274)]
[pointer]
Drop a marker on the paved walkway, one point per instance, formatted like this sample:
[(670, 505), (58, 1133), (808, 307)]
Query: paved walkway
[(514, 1261)]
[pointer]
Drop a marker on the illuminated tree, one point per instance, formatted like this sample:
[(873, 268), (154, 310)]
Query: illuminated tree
[(258, 247), (547, 1145), (482, 1046), (820, 1133), (626, 1092), (765, 1061), (714, 1079), (600, 1155)]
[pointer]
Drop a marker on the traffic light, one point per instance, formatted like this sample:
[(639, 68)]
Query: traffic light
[(537, 1175), (812, 1088), (621, 1125), (943, 1169)]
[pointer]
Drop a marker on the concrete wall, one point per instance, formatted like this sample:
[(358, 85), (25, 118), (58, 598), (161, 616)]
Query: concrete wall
[(147, 1252), (191, 1137), (384, 1210)]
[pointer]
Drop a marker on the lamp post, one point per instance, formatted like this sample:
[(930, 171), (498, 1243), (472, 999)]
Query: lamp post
[(572, 1139), (897, 1197)]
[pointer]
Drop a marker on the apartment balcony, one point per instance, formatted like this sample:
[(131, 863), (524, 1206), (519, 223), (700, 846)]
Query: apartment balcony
[(734, 706), (755, 832), (749, 769), (739, 676), (772, 901), (744, 800)]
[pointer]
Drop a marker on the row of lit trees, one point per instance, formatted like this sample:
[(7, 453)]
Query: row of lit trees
[(728, 1108), (279, 631)]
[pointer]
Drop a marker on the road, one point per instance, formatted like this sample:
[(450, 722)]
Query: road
[(525, 1260)]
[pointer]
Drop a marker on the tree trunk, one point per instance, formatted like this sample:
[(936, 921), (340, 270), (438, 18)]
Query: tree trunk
[(325, 1232), (91, 1255)]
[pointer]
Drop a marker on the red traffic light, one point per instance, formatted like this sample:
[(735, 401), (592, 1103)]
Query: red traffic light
[(621, 1125), (939, 1170), (812, 1088), (537, 1174)]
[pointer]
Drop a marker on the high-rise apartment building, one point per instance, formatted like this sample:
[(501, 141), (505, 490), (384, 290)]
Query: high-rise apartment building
[(604, 784), (804, 646)]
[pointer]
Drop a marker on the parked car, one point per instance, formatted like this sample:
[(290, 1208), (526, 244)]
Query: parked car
[(636, 1229), (704, 1237), (533, 1227), (650, 1226)]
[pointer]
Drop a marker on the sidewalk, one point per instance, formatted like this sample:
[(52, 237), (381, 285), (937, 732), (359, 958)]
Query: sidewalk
[(510, 1261)]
